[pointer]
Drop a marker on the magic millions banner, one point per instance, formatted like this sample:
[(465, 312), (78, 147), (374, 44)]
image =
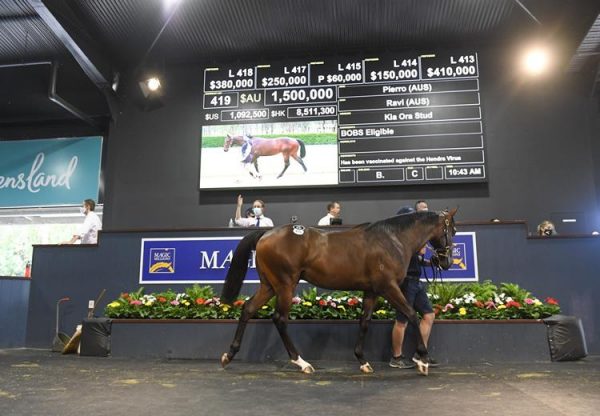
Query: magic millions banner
[(206, 260), (49, 172), (190, 260)]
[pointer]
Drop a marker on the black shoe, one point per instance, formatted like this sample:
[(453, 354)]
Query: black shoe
[(432, 362), (401, 362)]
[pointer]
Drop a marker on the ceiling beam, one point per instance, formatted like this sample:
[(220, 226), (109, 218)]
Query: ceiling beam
[(61, 20)]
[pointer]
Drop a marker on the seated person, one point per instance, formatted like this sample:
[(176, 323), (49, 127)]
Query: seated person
[(333, 211), (258, 209), (546, 228)]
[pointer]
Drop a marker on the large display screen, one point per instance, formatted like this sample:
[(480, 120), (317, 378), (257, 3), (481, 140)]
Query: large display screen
[(395, 119)]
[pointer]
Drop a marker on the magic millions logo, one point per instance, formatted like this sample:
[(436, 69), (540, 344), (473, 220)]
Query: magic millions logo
[(162, 260), (459, 257)]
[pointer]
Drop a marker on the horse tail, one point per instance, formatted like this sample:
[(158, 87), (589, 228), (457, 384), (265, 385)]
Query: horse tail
[(239, 266), (302, 147)]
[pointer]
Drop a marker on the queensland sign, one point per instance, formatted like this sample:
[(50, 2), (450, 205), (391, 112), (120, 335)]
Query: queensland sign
[(464, 259), (49, 172), (190, 260)]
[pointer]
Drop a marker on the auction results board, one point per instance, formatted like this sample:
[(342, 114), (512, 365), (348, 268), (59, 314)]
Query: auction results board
[(406, 118)]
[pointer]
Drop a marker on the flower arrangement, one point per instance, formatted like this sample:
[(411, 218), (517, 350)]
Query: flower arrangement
[(450, 301)]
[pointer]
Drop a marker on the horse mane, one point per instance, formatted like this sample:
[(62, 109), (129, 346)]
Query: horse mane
[(403, 222)]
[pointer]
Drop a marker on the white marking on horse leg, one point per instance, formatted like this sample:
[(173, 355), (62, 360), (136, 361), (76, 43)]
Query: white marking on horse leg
[(422, 366), (304, 366), (366, 368), (225, 360)]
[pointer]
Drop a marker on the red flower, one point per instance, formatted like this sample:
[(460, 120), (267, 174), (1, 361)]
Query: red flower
[(239, 302), (352, 302), (479, 304), (551, 301), (200, 301), (513, 304), (125, 295), (490, 304), (437, 309), (162, 299), (322, 302)]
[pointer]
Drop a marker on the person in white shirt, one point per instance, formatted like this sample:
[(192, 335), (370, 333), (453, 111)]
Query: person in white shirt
[(259, 220), (88, 231), (333, 211)]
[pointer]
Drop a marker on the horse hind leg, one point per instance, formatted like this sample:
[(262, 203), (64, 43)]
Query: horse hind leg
[(299, 160), (280, 319), (368, 306), (262, 295)]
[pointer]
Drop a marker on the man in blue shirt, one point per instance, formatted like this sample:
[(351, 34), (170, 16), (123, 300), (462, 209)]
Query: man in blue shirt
[(416, 296)]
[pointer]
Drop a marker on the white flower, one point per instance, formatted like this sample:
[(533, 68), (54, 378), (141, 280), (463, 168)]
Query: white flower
[(328, 298), (318, 298), (509, 299), (436, 296)]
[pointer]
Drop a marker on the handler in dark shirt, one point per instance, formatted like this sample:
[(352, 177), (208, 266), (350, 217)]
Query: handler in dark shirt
[(416, 296)]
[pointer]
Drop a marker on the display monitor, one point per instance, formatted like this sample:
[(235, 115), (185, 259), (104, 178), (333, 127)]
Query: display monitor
[(395, 119)]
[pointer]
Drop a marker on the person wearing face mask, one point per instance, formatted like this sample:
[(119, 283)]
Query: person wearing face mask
[(259, 220), (88, 232)]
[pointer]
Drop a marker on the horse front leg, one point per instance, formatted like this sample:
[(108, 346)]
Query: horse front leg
[(262, 295), (394, 295), (368, 306), (255, 162)]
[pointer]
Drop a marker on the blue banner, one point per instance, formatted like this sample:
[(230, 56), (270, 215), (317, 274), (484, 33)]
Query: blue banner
[(190, 260), (464, 259), (206, 260), (49, 172)]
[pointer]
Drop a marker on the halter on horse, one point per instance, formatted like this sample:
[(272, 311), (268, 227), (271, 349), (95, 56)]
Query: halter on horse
[(372, 258)]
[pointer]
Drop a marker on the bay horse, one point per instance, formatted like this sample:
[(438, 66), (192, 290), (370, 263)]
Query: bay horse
[(372, 258), (287, 146)]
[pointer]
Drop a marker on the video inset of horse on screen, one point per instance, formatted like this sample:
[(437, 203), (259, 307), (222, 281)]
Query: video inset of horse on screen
[(269, 155)]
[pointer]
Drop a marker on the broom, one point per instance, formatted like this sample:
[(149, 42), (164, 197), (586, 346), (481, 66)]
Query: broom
[(73, 345)]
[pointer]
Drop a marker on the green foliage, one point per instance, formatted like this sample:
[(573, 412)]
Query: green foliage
[(451, 301), (17, 240)]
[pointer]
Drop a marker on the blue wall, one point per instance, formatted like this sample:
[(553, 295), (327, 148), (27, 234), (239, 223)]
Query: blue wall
[(563, 268), (14, 296)]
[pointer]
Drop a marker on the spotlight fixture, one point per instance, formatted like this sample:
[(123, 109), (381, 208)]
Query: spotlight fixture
[(536, 61), (153, 83)]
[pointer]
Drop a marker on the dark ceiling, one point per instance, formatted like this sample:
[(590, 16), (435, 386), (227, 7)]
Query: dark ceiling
[(95, 39)]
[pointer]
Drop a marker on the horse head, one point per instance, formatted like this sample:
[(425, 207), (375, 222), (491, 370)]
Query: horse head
[(442, 238), (227, 144)]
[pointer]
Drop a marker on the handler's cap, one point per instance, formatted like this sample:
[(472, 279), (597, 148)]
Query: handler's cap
[(405, 210)]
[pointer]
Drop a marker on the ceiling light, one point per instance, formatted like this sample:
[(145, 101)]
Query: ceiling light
[(153, 83), (536, 61)]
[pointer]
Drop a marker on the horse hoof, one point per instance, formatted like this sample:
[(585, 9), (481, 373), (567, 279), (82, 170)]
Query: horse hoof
[(305, 367), (225, 360), (309, 369), (422, 366), (366, 368)]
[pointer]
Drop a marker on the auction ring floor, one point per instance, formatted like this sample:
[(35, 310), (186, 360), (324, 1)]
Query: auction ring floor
[(38, 382)]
